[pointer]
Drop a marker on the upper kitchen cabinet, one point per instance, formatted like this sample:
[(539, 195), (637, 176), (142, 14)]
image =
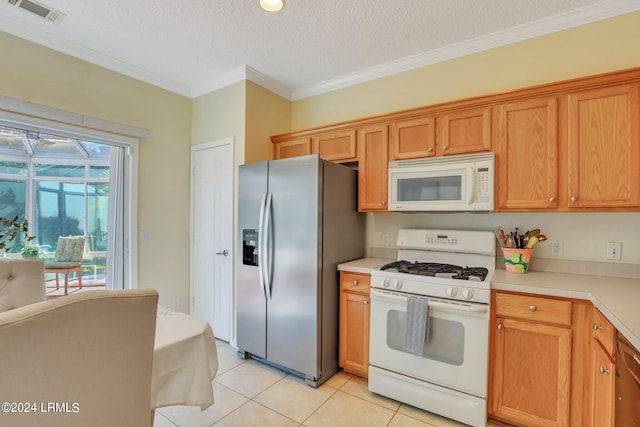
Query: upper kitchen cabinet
[(413, 138), (292, 148), (464, 131), (373, 167), (337, 146), (458, 132), (603, 148), (527, 154)]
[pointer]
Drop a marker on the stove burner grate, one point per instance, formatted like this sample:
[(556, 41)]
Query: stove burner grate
[(434, 269)]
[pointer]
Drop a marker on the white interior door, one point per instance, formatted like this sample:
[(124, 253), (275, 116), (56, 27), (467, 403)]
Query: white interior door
[(212, 235)]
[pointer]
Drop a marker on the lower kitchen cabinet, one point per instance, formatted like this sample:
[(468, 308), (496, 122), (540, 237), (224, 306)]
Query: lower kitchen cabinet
[(354, 323), (531, 360), (603, 371)]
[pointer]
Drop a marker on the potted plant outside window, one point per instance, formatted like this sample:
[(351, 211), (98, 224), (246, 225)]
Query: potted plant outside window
[(10, 230)]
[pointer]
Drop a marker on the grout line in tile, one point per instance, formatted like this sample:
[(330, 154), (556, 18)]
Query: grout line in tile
[(163, 416)]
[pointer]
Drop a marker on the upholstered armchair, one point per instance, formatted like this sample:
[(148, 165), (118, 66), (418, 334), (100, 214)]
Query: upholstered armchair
[(67, 260), (82, 360), (21, 282)]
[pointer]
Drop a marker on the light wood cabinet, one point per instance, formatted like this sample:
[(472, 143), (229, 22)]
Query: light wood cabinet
[(413, 138), (531, 360), (527, 155), (337, 146), (373, 167), (354, 323), (292, 148), (603, 371), (603, 165), (458, 132), (464, 131), (565, 146)]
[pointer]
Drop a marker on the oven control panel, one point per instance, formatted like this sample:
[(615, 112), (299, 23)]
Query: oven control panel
[(448, 288)]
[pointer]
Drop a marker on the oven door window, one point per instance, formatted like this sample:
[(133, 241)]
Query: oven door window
[(446, 338), (436, 188)]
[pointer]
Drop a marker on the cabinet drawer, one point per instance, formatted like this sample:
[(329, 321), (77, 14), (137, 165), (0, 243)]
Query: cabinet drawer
[(355, 282), (534, 308), (603, 332)]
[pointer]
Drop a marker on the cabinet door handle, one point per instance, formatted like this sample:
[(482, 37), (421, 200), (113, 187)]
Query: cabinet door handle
[(532, 307), (365, 302), (444, 148), (603, 371), (384, 203), (355, 283), (430, 149), (552, 199), (500, 326), (597, 327), (573, 199)]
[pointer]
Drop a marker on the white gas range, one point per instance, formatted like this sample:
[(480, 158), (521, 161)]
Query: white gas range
[(429, 327)]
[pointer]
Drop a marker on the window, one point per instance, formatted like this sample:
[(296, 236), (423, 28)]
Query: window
[(62, 185)]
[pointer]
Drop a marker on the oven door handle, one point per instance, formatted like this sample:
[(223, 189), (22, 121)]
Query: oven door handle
[(475, 308)]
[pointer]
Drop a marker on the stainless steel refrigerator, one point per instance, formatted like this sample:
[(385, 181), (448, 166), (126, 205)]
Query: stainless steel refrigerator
[(297, 220)]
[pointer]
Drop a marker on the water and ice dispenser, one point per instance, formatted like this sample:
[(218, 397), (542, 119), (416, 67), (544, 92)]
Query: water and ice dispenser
[(250, 247)]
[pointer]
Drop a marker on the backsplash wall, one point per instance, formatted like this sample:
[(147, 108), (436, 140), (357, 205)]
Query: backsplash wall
[(584, 236)]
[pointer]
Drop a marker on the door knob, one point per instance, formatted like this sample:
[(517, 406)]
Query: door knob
[(223, 253)]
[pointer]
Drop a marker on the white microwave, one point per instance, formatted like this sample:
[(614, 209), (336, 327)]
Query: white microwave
[(452, 184)]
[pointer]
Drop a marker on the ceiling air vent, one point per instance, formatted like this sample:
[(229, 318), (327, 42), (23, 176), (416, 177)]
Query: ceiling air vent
[(39, 9)]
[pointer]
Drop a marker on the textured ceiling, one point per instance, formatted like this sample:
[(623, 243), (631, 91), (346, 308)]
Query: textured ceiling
[(195, 46)]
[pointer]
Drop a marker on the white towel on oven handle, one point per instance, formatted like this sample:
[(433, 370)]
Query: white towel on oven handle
[(416, 332)]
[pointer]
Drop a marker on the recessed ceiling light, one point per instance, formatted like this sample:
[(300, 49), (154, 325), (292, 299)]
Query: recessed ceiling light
[(272, 5)]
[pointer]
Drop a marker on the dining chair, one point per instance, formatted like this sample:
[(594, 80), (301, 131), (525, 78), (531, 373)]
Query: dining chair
[(82, 360), (67, 260)]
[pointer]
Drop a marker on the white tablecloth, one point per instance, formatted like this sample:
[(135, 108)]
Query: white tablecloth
[(185, 361)]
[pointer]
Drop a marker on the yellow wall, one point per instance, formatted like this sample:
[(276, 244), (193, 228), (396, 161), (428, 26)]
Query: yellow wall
[(603, 46), (36, 74), (267, 114)]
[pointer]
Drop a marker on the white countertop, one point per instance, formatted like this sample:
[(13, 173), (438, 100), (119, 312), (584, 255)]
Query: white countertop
[(617, 298), (364, 265)]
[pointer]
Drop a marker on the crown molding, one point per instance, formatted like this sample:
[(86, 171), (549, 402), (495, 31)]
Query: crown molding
[(538, 28), (52, 41), (241, 73), (220, 81)]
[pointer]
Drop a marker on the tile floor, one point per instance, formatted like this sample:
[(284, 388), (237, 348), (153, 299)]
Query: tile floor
[(250, 393)]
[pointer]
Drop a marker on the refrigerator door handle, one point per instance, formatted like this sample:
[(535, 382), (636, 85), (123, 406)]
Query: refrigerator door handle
[(260, 244), (265, 243)]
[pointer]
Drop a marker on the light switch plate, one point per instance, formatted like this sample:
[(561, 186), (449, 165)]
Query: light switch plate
[(556, 248)]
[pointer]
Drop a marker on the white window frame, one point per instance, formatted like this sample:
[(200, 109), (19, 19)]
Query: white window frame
[(47, 125)]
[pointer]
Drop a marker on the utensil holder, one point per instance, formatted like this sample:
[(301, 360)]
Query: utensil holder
[(516, 260)]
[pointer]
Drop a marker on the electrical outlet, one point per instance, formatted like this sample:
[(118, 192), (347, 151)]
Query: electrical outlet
[(556, 248), (176, 304), (385, 239), (614, 251)]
